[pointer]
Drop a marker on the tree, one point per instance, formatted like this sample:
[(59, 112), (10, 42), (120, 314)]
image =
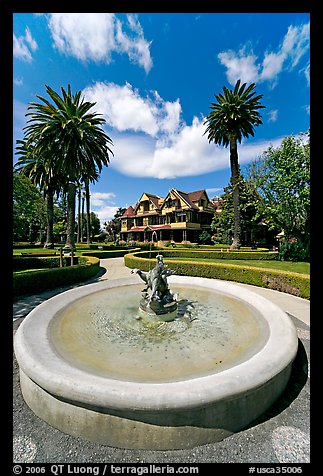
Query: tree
[(49, 181), (232, 117), (95, 225), (70, 138), (113, 227), (282, 178), (252, 221), (28, 208)]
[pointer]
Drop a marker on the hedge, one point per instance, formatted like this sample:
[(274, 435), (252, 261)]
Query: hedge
[(296, 284), (209, 254), (33, 262), (114, 253), (37, 280)]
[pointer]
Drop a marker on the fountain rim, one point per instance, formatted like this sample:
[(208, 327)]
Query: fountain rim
[(42, 364)]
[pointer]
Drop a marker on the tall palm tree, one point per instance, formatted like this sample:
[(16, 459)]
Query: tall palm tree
[(71, 137), (36, 168), (232, 117), (89, 175)]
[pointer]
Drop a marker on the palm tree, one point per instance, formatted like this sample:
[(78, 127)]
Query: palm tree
[(72, 140), (87, 177), (233, 116)]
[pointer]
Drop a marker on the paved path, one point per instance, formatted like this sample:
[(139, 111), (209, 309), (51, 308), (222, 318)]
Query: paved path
[(281, 435)]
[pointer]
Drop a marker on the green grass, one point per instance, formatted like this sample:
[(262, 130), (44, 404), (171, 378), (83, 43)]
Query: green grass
[(17, 252), (296, 267)]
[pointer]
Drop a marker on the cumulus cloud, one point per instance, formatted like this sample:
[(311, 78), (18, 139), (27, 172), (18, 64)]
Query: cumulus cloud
[(24, 46), (96, 36), (272, 115), (106, 213), (188, 154), (18, 81), (151, 140), (124, 109), (247, 66), (103, 205)]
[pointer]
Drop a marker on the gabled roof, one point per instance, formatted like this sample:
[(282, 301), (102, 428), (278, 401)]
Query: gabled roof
[(185, 197), (129, 212), (195, 196), (153, 198)]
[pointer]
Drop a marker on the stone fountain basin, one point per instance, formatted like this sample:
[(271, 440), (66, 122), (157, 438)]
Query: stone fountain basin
[(163, 415)]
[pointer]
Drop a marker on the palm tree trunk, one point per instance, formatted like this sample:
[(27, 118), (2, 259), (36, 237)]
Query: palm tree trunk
[(79, 216), (70, 238), (88, 215), (50, 219), (236, 243)]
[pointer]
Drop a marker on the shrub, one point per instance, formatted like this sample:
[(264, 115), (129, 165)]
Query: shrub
[(109, 253), (285, 281), (293, 251), (37, 280)]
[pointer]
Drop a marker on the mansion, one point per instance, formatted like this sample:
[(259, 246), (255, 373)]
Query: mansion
[(179, 217)]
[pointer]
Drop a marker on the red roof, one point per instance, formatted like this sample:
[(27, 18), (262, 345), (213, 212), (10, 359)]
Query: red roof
[(129, 212)]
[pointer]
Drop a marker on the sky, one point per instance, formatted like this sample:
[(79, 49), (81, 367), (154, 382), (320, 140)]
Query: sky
[(153, 77)]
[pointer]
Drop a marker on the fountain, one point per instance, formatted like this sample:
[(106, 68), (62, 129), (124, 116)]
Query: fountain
[(160, 302), (161, 372)]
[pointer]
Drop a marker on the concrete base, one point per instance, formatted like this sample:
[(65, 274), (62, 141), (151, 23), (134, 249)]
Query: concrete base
[(153, 430), (159, 416)]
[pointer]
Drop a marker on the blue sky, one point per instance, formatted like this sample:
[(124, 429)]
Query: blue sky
[(153, 77)]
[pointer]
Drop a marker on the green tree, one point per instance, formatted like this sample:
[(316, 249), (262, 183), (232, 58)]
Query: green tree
[(232, 117), (71, 140), (282, 178), (113, 227), (95, 225), (250, 219), (49, 181), (28, 209)]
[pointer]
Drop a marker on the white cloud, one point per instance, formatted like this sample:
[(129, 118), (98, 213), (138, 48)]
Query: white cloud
[(188, 154), (95, 36), (103, 205), (169, 148), (214, 191), (272, 115), (18, 81), (239, 65), (103, 195), (243, 64), (124, 109), (23, 46), (106, 213)]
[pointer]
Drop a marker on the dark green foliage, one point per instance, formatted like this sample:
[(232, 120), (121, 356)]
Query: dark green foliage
[(34, 281), (284, 281), (114, 253), (293, 251)]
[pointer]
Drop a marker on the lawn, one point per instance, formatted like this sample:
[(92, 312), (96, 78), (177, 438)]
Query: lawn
[(296, 267)]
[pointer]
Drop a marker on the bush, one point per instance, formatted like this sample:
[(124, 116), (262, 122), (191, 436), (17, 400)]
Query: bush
[(293, 251), (284, 281), (210, 254), (36, 280), (109, 253)]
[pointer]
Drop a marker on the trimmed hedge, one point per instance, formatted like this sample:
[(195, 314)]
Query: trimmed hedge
[(216, 254), (114, 253), (36, 280), (33, 262), (296, 284)]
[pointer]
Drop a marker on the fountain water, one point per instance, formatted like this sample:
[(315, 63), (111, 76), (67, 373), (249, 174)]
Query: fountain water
[(100, 363)]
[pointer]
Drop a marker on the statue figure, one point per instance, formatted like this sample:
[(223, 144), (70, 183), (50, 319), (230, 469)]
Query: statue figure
[(157, 294)]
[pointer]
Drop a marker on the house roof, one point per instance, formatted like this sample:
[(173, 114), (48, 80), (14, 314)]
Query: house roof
[(155, 199), (129, 212)]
